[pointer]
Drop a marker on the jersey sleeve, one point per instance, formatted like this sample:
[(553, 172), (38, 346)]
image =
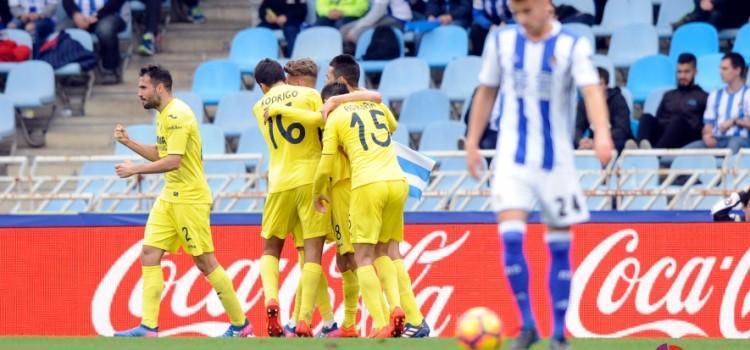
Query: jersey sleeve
[(709, 116), (331, 139), (582, 68), (297, 114), (491, 72), (390, 119), (178, 132)]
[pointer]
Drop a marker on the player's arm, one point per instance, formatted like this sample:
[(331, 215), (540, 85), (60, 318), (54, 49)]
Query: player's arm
[(169, 163), (146, 151), (587, 79), (359, 95), (296, 114), (325, 167)]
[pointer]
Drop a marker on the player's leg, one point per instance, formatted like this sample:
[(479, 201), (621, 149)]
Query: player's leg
[(387, 274), (290, 329), (558, 240), (416, 326), (350, 286)]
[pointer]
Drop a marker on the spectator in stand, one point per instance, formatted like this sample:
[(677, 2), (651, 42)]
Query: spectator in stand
[(5, 15), (456, 12), (153, 17), (101, 17), (194, 13), (619, 117), (287, 15), (337, 13), (487, 15), (722, 14), (679, 119), (392, 13), (35, 17), (726, 118), (418, 9)]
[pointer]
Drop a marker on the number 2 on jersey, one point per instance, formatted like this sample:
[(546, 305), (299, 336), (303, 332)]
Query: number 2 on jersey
[(357, 121)]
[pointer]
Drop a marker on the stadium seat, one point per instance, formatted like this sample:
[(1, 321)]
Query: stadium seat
[(708, 76), (7, 118), (141, 133), (251, 141), (618, 13), (742, 41), (631, 42), (195, 102), (682, 165), (603, 61), (31, 84), (213, 139), (461, 77), (230, 175), (442, 136), (403, 76), (443, 44), (401, 135), (639, 172), (582, 30), (363, 42), (589, 173), (477, 202), (235, 113), (21, 37), (670, 12), (697, 38), (585, 6), (215, 79), (318, 43), (649, 73), (424, 107), (251, 45), (654, 99)]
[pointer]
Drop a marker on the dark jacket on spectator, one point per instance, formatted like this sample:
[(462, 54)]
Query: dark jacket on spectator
[(294, 10), (111, 7), (688, 103), (460, 10), (619, 119)]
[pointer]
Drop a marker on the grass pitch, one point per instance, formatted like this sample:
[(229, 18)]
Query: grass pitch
[(93, 343)]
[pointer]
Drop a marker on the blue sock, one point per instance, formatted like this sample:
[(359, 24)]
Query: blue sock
[(516, 268), (559, 279)]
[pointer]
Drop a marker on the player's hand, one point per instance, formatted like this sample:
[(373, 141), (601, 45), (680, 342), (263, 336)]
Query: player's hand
[(328, 107), (603, 147), (320, 203), (121, 134), (474, 161), (125, 169)]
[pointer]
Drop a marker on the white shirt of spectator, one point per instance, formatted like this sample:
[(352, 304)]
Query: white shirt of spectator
[(89, 7), (723, 105), (398, 9), (38, 5), (537, 94)]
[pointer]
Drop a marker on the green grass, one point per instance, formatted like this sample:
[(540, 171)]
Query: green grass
[(46, 343)]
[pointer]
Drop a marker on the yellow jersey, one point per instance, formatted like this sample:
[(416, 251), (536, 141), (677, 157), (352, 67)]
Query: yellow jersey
[(177, 133), (293, 139), (363, 130)]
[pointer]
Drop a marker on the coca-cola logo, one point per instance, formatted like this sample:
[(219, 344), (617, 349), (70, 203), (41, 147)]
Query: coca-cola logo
[(419, 258), (628, 287)]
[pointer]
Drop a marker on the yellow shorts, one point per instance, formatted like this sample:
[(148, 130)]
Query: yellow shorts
[(172, 225), (377, 212), (340, 195), (285, 210)]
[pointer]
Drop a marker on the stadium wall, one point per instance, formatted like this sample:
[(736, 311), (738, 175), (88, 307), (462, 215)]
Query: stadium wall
[(640, 274)]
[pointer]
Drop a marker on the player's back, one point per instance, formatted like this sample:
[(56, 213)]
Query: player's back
[(364, 132), (294, 145)]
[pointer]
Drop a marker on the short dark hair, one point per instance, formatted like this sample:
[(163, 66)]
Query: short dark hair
[(333, 89), (158, 75), (268, 72), (603, 75), (346, 66), (687, 58), (736, 60)]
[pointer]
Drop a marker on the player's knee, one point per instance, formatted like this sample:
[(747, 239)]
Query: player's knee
[(512, 234), (150, 256), (558, 242), (272, 246), (206, 263)]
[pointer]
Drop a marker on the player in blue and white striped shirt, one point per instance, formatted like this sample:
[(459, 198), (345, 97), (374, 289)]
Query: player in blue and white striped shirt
[(536, 68), (727, 116)]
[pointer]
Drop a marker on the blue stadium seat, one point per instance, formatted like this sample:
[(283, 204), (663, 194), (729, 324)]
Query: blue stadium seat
[(649, 73), (461, 77), (403, 76), (582, 30), (213, 139), (401, 135), (670, 12), (477, 202), (195, 102), (318, 43), (742, 41), (585, 6), (643, 176), (363, 42), (31, 84), (443, 44), (681, 164), (654, 99), (251, 45), (251, 141), (227, 168), (589, 171), (697, 38), (235, 113), (424, 107), (618, 13), (141, 133), (605, 63), (442, 136), (7, 118), (631, 42), (215, 79), (708, 76)]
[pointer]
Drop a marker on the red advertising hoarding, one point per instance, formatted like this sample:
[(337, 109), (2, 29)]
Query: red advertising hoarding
[(631, 280)]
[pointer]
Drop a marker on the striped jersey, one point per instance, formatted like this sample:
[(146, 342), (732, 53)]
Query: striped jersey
[(536, 80), (723, 105)]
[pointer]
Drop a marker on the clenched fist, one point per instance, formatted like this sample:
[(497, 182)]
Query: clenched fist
[(121, 135)]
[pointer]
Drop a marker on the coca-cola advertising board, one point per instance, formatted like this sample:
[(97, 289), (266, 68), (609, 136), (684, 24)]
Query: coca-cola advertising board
[(630, 280)]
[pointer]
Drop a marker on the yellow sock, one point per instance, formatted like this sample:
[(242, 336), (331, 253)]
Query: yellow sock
[(369, 285), (389, 280), (269, 276), (351, 296), (298, 294), (323, 300), (384, 304), (225, 290), (408, 301), (311, 274), (153, 285)]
